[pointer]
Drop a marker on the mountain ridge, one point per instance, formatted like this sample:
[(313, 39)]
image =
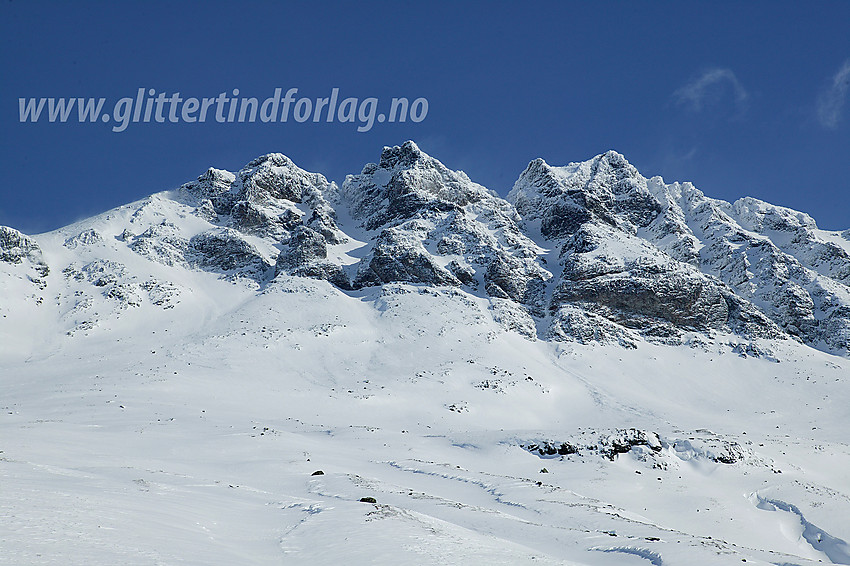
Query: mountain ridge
[(591, 251)]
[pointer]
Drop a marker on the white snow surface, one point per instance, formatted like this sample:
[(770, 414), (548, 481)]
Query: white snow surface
[(158, 414)]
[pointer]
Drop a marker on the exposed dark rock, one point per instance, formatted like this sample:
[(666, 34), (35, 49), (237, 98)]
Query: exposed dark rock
[(512, 278), (464, 273), (85, 238), (19, 249), (305, 246), (306, 256), (399, 256), (226, 250), (15, 247), (213, 186), (254, 219), (162, 243), (623, 440), (428, 216), (550, 449)]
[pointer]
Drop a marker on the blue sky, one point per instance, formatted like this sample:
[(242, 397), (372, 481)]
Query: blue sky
[(740, 98)]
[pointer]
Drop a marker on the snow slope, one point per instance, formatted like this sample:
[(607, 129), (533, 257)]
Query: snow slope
[(172, 384)]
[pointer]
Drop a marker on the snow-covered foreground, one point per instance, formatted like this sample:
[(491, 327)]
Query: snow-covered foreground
[(194, 435)]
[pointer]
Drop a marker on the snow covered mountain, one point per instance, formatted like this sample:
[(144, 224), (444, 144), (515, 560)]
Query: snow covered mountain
[(600, 369)]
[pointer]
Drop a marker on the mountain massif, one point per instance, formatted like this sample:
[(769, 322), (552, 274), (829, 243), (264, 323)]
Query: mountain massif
[(592, 251), (504, 378)]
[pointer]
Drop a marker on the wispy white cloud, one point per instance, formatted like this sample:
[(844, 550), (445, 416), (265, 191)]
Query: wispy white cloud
[(831, 100), (709, 88)]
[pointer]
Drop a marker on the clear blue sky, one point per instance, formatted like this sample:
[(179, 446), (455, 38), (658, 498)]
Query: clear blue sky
[(740, 98)]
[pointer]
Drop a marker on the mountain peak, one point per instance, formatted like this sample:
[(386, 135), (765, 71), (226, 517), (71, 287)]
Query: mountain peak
[(404, 155), (614, 159), (272, 160), (405, 180)]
